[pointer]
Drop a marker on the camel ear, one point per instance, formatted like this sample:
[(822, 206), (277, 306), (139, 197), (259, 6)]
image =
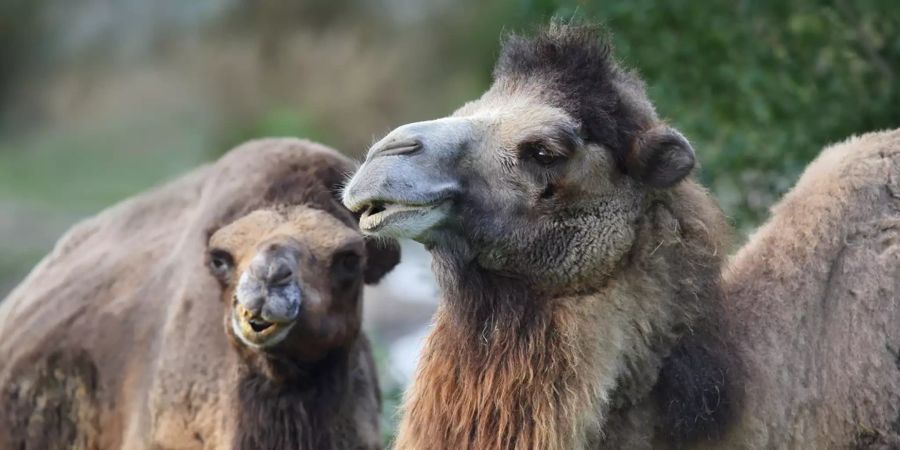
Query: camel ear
[(660, 157), (381, 256)]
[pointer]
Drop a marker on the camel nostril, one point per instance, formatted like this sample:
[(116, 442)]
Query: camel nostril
[(400, 147)]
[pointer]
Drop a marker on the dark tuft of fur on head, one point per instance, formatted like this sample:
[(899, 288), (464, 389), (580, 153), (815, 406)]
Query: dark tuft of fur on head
[(573, 63), (577, 51)]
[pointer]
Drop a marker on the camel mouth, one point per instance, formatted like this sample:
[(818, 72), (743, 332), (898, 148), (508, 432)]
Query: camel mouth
[(255, 331), (259, 325), (399, 219)]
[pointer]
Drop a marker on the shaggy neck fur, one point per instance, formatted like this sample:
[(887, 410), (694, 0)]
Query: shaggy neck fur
[(507, 369), (298, 410), (499, 371)]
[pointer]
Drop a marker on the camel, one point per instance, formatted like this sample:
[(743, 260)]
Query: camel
[(587, 301), (221, 310)]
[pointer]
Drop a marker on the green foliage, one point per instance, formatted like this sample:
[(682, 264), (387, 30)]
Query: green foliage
[(761, 86), (82, 169)]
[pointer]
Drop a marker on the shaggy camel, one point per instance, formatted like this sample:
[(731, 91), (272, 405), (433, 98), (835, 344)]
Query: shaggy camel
[(123, 338), (581, 269)]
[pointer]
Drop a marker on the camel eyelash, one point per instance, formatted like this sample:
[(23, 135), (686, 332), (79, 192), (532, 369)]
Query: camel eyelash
[(527, 148), (560, 143), (559, 147)]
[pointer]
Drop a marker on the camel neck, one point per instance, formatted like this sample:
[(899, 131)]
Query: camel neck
[(509, 372), (290, 410), (505, 367)]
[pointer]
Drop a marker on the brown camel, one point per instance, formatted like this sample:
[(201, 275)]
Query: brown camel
[(581, 269), (221, 310)]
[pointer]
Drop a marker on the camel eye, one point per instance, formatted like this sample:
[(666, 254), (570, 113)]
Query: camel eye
[(220, 263), (346, 264), (540, 153)]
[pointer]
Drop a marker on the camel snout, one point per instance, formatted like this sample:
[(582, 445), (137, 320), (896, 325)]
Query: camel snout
[(407, 185), (276, 272), (270, 289)]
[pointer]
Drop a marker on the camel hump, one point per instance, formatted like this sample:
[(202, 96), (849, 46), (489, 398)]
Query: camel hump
[(845, 175), (816, 289), (843, 214), (850, 191)]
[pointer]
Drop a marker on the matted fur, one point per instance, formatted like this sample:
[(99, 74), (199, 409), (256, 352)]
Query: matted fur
[(116, 339)]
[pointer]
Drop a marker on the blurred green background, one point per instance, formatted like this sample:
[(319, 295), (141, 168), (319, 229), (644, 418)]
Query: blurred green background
[(100, 99)]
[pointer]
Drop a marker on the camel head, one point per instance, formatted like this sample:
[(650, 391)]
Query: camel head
[(292, 280), (542, 178)]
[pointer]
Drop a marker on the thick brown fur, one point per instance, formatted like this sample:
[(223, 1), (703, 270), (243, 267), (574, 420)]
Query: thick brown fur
[(116, 339)]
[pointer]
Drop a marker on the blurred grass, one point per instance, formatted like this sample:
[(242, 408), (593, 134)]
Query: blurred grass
[(82, 169), (278, 122), (49, 180)]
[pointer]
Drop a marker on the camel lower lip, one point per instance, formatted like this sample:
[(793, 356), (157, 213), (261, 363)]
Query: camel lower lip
[(255, 331), (386, 213)]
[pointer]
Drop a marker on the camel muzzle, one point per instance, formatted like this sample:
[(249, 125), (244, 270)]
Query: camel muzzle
[(407, 184)]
